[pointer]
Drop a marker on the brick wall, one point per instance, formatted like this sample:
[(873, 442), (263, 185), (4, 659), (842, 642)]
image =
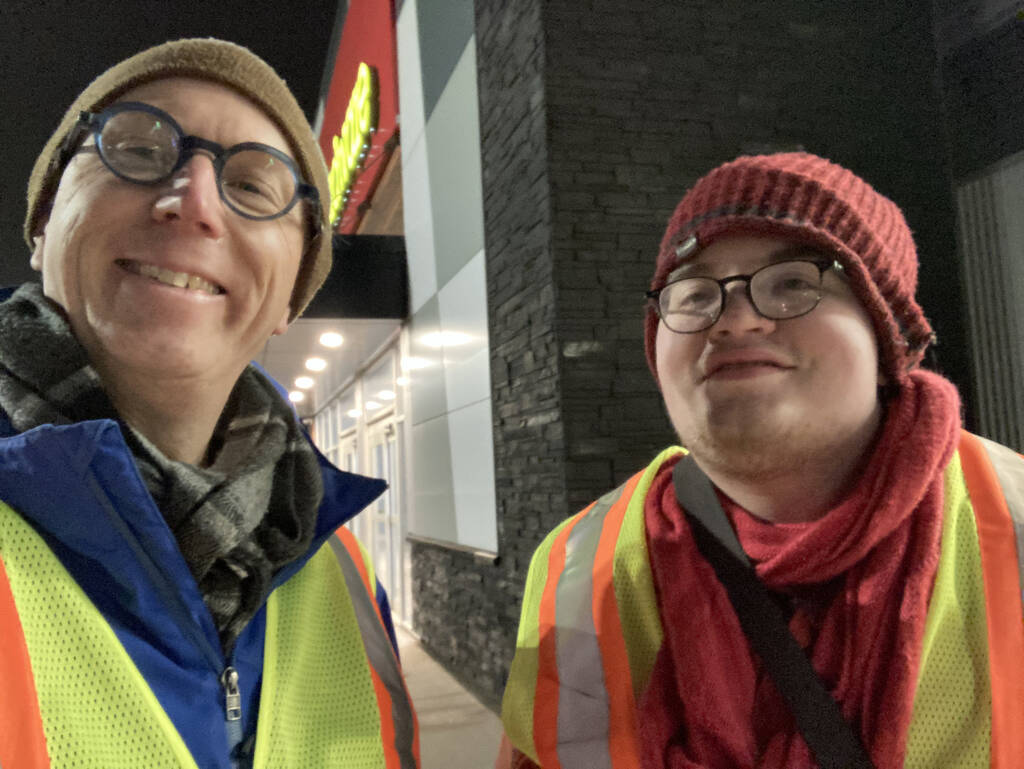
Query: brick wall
[(595, 118), (642, 99)]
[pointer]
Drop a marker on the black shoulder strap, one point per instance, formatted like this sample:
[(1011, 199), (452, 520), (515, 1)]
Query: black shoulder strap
[(828, 735)]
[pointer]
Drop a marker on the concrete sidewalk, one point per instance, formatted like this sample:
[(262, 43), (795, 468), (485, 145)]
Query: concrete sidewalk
[(456, 730)]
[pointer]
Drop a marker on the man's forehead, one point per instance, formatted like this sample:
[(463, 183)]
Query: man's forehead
[(766, 251)]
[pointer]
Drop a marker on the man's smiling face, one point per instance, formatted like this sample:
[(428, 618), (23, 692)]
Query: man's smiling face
[(166, 279), (751, 392)]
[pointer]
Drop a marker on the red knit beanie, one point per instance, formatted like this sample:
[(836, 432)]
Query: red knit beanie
[(804, 198)]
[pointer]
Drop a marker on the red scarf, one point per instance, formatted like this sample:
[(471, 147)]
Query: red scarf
[(860, 580)]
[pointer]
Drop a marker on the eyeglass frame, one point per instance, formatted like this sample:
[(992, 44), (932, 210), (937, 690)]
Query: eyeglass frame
[(94, 122), (824, 264)]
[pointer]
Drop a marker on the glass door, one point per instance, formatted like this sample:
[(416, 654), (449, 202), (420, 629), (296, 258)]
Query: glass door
[(384, 541)]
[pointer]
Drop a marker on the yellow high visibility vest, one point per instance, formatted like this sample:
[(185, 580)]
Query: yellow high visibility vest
[(590, 628), (332, 692)]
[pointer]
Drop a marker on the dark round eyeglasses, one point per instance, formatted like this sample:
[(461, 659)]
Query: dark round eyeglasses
[(776, 291), (142, 144)]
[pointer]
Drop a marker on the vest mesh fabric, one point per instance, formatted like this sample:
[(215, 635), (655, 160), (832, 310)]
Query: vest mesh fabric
[(316, 679), (951, 724), (634, 583), (318, 707), (517, 704), (97, 710)]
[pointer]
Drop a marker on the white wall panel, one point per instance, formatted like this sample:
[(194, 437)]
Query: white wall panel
[(473, 475), (467, 365)]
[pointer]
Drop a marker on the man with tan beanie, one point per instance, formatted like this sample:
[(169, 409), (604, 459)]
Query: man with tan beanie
[(830, 573), (176, 589)]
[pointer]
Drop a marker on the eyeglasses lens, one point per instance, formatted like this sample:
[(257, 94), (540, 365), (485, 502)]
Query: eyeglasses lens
[(786, 289), (257, 183), (139, 146), (779, 291), (690, 304)]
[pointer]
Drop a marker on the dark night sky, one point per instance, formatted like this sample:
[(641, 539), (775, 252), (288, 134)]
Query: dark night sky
[(51, 49)]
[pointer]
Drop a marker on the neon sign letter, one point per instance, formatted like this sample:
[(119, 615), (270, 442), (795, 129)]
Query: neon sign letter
[(351, 144)]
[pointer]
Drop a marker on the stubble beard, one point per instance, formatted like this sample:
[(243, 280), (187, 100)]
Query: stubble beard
[(754, 441)]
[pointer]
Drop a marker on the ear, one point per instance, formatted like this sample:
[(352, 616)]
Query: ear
[(282, 325), (36, 259)]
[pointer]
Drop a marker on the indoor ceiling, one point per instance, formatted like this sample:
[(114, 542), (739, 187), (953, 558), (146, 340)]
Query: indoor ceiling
[(285, 356)]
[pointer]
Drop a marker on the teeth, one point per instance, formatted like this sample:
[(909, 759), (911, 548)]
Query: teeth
[(171, 278)]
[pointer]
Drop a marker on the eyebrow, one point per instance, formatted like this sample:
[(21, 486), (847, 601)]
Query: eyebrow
[(791, 251)]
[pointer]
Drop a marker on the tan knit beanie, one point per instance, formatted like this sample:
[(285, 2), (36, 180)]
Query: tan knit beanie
[(226, 63), (805, 198)]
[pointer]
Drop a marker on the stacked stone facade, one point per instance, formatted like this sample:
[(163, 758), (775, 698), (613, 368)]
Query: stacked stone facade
[(595, 117)]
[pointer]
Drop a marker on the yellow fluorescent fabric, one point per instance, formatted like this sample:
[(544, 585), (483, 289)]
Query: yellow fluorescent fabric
[(634, 583), (318, 707), (634, 595), (97, 710), (517, 703), (316, 679), (952, 721)]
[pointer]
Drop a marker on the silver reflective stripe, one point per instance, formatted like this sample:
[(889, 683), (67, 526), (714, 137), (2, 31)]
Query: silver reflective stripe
[(379, 652), (583, 709), (1009, 469)]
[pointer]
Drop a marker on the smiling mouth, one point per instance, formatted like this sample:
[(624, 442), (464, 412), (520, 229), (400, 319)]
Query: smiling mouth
[(170, 278), (743, 369)]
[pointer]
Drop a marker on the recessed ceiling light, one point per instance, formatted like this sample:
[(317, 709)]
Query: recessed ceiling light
[(316, 364), (331, 339), (386, 395), (402, 381), (372, 405), (295, 396), (354, 413), (304, 382)]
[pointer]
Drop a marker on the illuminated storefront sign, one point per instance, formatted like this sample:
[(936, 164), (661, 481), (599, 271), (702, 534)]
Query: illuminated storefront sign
[(359, 128), (352, 142)]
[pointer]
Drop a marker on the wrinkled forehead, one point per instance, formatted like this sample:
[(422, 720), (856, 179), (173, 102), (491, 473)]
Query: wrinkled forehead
[(211, 110)]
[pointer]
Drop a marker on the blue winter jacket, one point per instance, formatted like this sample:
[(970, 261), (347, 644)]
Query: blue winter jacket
[(79, 487)]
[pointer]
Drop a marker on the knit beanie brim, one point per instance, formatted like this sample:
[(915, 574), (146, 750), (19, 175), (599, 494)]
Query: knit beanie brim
[(807, 199)]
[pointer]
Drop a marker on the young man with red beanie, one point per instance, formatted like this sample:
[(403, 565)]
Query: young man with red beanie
[(888, 542)]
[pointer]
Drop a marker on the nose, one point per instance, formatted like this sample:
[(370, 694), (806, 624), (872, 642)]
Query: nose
[(739, 315), (193, 199)]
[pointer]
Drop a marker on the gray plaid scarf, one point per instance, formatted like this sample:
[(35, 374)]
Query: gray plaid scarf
[(238, 520)]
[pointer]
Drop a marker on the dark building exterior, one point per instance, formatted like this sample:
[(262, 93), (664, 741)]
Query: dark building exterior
[(594, 119)]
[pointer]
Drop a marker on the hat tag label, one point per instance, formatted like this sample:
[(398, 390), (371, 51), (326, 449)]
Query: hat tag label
[(686, 247)]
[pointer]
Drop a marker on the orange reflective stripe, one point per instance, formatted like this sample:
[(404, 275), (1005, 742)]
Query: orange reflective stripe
[(387, 724), (622, 738), (1002, 603), (348, 539), (385, 702), (545, 718), (22, 742)]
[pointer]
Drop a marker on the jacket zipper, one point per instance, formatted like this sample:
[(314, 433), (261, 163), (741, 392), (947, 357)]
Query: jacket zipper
[(232, 698)]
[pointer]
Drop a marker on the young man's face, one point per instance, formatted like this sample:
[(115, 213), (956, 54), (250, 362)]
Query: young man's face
[(105, 236), (760, 395)]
